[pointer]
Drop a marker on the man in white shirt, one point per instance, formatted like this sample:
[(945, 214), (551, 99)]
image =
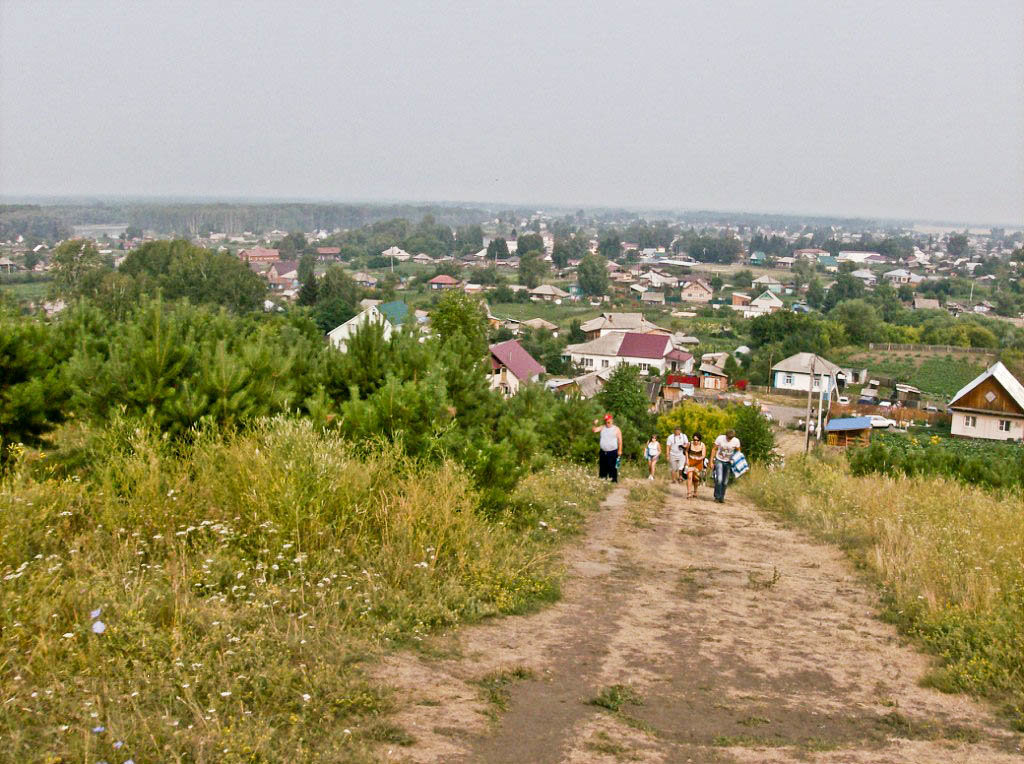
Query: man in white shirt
[(676, 446), (721, 455)]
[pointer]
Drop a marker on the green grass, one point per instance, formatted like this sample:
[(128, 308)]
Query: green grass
[(945, 555), (33, 291), (495, 686), (244, 582), (940, 375), (615, 697)]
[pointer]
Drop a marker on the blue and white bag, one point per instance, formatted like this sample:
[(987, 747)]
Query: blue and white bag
[(739, 464)]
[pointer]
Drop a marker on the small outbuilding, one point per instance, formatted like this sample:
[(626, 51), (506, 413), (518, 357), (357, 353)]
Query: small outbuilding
[(848, 430)]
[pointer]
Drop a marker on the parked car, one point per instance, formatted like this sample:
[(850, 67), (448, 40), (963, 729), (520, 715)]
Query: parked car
[(844, 400), (882, 422), (884, 404), (931, 408)]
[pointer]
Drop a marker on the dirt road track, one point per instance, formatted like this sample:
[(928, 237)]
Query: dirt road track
[(738, 640)]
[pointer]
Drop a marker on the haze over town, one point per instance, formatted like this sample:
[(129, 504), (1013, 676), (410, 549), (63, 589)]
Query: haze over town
[(909, 111)]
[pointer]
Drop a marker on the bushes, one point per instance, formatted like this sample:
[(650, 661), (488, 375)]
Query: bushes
[(753, 430), (946, 556), (987, 464)]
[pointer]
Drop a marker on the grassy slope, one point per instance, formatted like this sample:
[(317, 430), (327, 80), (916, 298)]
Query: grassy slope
[(940, 375), (946, 556), (241, 584)]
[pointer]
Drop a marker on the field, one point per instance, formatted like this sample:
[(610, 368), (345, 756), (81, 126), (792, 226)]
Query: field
[(220, 600), (945, 555), (976, 462), (30, 291), (939, 375)]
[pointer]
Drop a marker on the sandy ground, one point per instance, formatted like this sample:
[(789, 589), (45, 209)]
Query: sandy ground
[(738, 640)]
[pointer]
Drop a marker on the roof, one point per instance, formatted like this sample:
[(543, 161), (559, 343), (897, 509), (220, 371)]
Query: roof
[(801, 363), (1003, 376), (540, 323), (395, 311), (848, 423), (766, 280), (328, 250), (514, 357), (652, 297), (926, 303), (548, 290), (622, 322), (443, 278), (712, 370), (768, 296), (644, 345), (285, 266), (679, 355), (590, 384)]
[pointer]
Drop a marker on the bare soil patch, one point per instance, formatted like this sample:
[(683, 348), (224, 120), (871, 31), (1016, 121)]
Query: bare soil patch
[(706, 633)]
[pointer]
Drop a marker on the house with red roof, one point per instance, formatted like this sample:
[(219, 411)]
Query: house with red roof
[(512, 366), (326, 253), (259, 255), (443, 281), (651, 353)]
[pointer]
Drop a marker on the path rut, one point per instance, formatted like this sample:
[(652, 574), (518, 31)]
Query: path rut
[(739, 640)]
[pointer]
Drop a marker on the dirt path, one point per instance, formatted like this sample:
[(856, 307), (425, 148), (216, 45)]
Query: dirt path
[(732, 638)]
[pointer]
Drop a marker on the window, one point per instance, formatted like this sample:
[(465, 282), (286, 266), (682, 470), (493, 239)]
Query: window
[(644, 367), (970, 421), (789, 379), (604, 363), (1004, 425), (588, 361)]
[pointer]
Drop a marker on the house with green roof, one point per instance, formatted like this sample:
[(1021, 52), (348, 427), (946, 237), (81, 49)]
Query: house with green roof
[(396, 311)]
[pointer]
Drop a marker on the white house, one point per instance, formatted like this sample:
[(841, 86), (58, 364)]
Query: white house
[(770, 283), (648, 352), (794, 373), (990, 407), (340, 335), (766, 302), (617, 323), (512, 366)]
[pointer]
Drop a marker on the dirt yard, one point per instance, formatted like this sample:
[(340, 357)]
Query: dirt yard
[(692, 632)]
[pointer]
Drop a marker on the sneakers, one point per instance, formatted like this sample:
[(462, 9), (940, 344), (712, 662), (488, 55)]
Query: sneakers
[(650, 477)]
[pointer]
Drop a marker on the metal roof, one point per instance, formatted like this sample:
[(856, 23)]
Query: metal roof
[(848, 423)]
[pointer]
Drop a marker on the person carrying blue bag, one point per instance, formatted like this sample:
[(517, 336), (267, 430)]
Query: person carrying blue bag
[(726, 447)]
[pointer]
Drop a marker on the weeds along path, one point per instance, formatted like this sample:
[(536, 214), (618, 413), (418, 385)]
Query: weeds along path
[(691, 632)]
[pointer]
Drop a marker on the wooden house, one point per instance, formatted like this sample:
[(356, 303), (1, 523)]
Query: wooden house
[(990, 407), (848, 431)]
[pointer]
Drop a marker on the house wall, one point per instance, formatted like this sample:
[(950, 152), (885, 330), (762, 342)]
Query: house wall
[(987, 426), (801, 381), (598, 362), (978, 398), (504, 380), (695, 294)]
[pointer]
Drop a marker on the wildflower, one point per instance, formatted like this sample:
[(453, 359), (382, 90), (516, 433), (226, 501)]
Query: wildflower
[(99, 729), (225, 694), (96, 613), (68, 635), (118, 744), (99, 627), (305, 697)]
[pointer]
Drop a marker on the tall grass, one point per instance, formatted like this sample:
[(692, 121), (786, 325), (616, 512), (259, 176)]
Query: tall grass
[(947, 556), (240, 582)]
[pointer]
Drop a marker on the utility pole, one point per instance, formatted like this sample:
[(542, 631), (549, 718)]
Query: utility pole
[(807, 419), (821, 405)]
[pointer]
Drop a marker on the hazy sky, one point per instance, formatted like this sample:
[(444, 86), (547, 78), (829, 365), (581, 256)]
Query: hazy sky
[(894, 109)]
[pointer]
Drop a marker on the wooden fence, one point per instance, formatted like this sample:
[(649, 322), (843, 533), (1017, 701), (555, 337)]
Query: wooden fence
[(893, 346)]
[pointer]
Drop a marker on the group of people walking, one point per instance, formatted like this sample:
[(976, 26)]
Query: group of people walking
[(688, 458)]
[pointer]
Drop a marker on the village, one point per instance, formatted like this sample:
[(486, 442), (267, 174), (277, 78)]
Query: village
[(657, 308)]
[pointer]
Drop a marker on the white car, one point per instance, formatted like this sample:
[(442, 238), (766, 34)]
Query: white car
[(881, 421), (842, 399)]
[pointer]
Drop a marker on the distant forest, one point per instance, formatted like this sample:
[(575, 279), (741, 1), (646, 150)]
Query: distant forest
[(55, 221)]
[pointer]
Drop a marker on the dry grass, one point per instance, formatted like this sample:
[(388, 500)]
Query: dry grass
[(241, 582), (947, 556)]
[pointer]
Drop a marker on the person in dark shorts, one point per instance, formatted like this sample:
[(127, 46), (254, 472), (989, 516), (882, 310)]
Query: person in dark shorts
[(611, 448)]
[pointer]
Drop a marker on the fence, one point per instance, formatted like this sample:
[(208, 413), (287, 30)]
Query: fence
[(900, 414), (892, 346)]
